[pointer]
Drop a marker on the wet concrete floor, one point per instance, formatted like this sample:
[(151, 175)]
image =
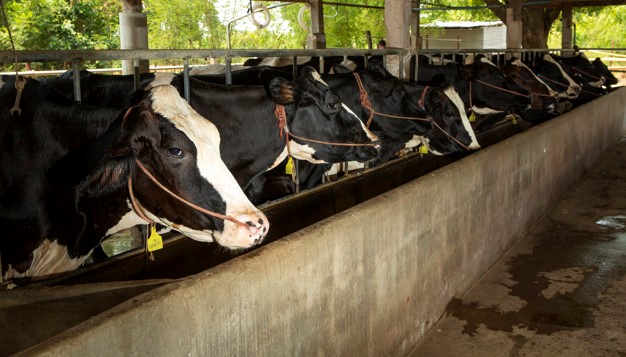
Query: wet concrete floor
[(561, 290)]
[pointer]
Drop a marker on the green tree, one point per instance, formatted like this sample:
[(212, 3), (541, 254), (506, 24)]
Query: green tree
[(62, 25)]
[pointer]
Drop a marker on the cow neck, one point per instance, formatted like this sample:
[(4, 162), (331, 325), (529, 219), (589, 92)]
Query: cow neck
[(367, 104)]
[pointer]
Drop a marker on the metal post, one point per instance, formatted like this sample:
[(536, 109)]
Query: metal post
[(136, 74), (186, 79), (229, 71), (295, 67), (76, 70)]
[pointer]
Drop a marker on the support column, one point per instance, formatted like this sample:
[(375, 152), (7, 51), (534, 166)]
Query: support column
[(514, 25), (416, 39), (397, 23), (567, 39), (317, 40), (133, 33)]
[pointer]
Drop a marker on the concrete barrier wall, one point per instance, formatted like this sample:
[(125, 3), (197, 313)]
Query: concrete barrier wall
[(370, 280)]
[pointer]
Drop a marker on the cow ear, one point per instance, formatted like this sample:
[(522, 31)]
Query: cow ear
[(283, 91), (111, 174), (379, 70), (117, 165), (341, 69)]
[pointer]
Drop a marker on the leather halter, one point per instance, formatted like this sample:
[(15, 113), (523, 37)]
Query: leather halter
[(142, 214), (280, 114), (367, 104)]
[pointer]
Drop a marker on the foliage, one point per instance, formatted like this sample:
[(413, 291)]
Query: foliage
[(62, 24), (195, 24)]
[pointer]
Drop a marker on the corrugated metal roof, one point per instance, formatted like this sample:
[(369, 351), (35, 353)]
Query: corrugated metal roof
[(463, 24)]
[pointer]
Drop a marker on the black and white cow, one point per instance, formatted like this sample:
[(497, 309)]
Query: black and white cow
[(322, 128), (68, 170), (602, 69), (553, 74)]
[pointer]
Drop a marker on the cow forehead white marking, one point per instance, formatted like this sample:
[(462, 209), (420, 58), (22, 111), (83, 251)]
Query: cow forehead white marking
[(318, 78), (487, 61), (279, 159), (160, 79), (469, 59), (49, 258), (569, 79), (456, 99), (1, 82), (369, 134), (205, 136), (517, 62)]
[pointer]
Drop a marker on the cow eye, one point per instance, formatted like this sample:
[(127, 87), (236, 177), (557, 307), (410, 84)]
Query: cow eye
[(175, 152), (333, 106), (450, 115)]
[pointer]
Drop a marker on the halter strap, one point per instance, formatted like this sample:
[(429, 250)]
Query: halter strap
[(142, 214), (367, 104)]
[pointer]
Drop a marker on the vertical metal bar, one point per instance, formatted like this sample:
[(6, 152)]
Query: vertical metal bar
[(136, 74), (295, 67), (321, 64), (365, 60), (417, 63), (76, 73), (295, 166), (186, 79), (229, 71), (400, 66)]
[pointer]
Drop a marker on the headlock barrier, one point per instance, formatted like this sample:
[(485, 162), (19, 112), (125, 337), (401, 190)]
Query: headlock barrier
[(370, 280)]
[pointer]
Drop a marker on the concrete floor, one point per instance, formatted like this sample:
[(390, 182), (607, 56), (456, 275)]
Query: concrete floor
[(558, 292)]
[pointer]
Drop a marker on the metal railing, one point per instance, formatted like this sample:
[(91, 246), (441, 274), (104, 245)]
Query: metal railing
[(76, 58)]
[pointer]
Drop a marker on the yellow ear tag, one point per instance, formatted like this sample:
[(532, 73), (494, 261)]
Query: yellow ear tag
[(289, 166), (423, 149), (514, 119), (472, 117), (155, 242)]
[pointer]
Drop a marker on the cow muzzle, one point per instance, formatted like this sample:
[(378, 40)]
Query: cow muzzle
[(236, 236)]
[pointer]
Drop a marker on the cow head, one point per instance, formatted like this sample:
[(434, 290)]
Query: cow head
[(451, 129), (491, 90), (544, 98), (604, 71), (551, 71), (315, 112), (579, 67), (181, 150)]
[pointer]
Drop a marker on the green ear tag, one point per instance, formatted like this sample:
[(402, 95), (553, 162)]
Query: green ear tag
[(155, 242), (423, 149), (472, 117), (289, 166)]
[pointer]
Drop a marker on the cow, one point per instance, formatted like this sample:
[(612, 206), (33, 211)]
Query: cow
[(553, 74), (543, 97), (316, 125), (580, 66), (72, 175), (400, 114), (602, 69)]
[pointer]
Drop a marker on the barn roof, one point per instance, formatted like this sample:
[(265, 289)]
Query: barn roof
[(463, 24)]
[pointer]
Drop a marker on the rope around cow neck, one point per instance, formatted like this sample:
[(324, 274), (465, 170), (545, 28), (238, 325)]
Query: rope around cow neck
[(367, 104)]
